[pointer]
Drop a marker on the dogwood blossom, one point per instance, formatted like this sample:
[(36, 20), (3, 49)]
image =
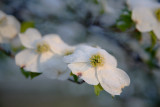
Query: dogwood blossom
[(146, 15), (43, 54), (9, 27), (94, 66)]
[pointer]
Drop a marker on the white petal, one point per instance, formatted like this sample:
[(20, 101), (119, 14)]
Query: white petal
[(77, 56), (113, 80), (156, 30), (14, 22), (109, 59), (81, 54), (76, 67), (45, 57), (142, 3), (57, 45), (30, 37), (10, 27), (55, 68), (64, 75), (28, 60), (8, 31), (2, 15), (85, 72), (89, 50), (90, 76), (144, 18)]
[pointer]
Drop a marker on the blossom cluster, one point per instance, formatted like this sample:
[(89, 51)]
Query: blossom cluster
[(55, 59), (146, 15)]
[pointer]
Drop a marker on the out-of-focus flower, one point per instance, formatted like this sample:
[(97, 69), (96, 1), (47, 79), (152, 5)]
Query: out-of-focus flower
[(43, 54), (146, 15), (94, 66), (9, 27)]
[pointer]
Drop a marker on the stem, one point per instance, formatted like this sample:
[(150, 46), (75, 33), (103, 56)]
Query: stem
[(8, 53), (78, 82)]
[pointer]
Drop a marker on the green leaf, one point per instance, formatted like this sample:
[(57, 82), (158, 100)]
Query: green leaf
[(124, 22), (153, 39), (26, 25), (28, 74), (74, 76), (34, 74), (97, 89)]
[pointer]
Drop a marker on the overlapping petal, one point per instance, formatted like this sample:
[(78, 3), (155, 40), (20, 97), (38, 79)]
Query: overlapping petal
[(55, 68), (144, 18), (81, 54), (57, 45), (109, 59), (113, 80), (29, 38), (28, 60)]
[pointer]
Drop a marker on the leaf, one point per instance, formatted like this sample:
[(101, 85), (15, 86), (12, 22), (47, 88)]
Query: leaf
[(28, 74), (153, 39), (74, 76), (97, 89), (124, 22), (34, 74), (26, 25)]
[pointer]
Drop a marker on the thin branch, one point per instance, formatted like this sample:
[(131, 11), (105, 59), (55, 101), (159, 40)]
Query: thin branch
[(8, 53), (78, 82)]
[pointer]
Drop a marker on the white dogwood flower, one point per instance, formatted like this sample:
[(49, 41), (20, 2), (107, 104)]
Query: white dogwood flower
[(146, 15), (94, 66), (9, 27), (43, 54)]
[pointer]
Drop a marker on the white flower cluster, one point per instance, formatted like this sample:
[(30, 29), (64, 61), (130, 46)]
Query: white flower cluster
[(44, 54), (51, 56), (146, 15), (9, 27)]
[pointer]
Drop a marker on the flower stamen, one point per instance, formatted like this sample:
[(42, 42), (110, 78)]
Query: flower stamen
[(96, 60), (42, 48)]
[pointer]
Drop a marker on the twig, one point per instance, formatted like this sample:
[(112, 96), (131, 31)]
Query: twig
[(78, 82), (8, 53)]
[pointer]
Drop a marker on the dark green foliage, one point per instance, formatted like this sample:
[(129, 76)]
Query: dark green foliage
[(29, 74), (124, 22), (75, 77)]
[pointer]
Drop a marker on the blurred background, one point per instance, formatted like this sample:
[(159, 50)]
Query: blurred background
[(79, 21)]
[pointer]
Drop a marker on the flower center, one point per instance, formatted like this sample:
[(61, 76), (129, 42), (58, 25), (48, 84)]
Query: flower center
[(96, 60), (157, 13), (42, 48)]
